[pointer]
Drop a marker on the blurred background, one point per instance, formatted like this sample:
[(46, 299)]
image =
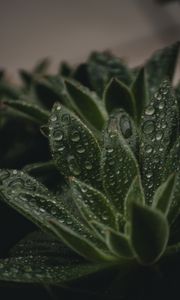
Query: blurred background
[(69, 30)]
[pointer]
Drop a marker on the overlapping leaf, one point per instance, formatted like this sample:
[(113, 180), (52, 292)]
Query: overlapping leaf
[(149, 233), (74, 148), (159, 127), (161, 66), (119, 167)]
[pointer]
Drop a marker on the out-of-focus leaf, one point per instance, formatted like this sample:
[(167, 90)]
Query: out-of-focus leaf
[(87, 104), (29, 110), (118, 95), (139, 91), (161, 66), (102, 67)]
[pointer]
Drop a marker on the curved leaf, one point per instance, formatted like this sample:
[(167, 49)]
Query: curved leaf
[(28, 110), (102, 67), (118, 244), (164, 195), (86, 104), (74, 148), (159, 127), (79, 244), (46, 270), (140, 92), (119, 167), (161, 66), (95, 205), (118, 95), (149, 233)]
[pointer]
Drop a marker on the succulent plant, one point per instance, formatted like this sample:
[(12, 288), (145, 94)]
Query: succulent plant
[(108, 200)]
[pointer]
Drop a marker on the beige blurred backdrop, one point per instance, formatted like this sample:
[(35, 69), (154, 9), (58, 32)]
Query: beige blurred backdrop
[(70, 29)]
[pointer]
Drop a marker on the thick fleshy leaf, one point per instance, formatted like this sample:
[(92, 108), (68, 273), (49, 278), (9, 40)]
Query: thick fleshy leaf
[(161, 66), (87, 104), (134, 194), (118, 95), (39, 243), (174, 211), (28, 110), (159, 127), (118, 166), (34, 201), (74, 148), (124, 124), (46, 270), (104, 66), (149, 233), (172, 163), (118, 244), (139, 91), (93, 203), (51, 89), (163, 197), (79, 244)]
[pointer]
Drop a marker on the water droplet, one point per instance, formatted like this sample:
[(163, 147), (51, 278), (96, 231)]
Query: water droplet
[(110, 150), (53, 118), (58, 135), (159, 135), (148, 149), (58, 107), (88, 165), (161, 105), (125, 126), (75, 137), (148, 127), (80, 150), (73, 166), (149, 110)]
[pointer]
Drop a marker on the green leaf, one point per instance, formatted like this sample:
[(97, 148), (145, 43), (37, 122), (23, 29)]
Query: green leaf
[(161, 66), (87, 104), (172, 163), (79, 244), (149, 233), (119, 167), (174, 210), (74, 148), (104, 66), (118, 95), (124, 124), (34, 201), (118, 244), (95, 205), (51, 89), (163, 197), (139, 91), (159, 129), (46, 270), (134, 194), (39, 243), (28, 110)]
